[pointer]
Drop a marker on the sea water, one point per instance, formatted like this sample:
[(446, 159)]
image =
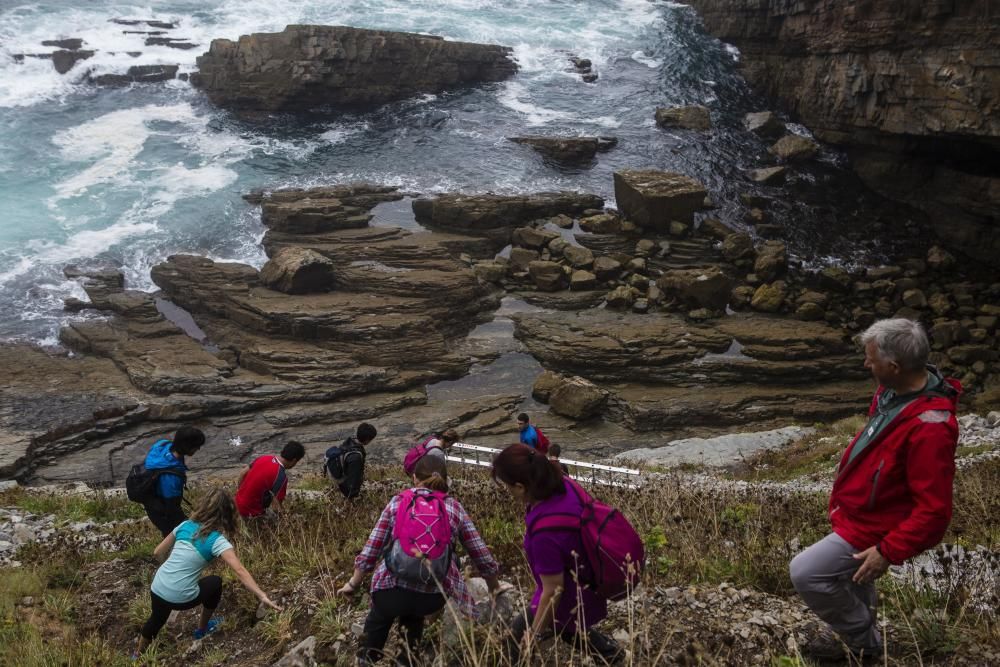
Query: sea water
[(125, 177)]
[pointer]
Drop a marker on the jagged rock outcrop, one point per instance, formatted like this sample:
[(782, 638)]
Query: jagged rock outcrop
[(909, 88), (312, 66), (572, 151)]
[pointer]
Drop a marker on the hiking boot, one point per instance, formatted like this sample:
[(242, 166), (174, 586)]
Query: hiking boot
[(829, 648)]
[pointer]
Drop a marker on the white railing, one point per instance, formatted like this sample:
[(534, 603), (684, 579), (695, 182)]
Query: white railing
[(584, 471)]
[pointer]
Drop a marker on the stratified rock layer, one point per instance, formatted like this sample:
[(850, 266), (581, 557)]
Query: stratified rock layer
[(311, 66), (910, 87)]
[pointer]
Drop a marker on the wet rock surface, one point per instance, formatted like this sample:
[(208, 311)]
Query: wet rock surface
[(649, 334), (567, 150), (311, 66)]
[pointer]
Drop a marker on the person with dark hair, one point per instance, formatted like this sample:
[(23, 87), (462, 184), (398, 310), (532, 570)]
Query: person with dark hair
[(411, 553), (166, 459), (558, 606), (185, 552), (262, 486), (351, 459), (527, 433), (555, 451)]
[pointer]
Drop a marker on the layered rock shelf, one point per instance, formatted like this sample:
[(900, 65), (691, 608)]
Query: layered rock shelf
[(656, 321), (312, 66)]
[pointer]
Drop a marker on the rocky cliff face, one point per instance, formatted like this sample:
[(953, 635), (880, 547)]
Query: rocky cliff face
[(911, 88), (308, 66)]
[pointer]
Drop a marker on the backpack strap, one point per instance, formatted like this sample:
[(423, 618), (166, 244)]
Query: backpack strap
[(279, 481), (562, 520)]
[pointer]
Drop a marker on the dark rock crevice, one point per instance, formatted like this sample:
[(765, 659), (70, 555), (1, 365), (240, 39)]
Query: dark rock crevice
[(908, 88)]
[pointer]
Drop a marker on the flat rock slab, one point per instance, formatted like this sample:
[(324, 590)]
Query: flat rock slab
[(312, 66), (657, 198), (718, 451), (484, 213)]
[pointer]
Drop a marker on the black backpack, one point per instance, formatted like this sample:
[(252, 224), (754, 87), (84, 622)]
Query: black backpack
[(140, 485), (335, 463)]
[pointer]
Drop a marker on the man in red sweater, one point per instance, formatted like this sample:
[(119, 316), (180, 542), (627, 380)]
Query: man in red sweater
[(892, 496), (264, 483)]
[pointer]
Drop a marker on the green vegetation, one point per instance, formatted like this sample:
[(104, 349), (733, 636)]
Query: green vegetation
[(86, 605), (814, 455), (74, 507)]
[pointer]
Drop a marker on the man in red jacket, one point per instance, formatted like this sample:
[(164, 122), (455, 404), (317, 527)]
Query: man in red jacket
[(891, 498)]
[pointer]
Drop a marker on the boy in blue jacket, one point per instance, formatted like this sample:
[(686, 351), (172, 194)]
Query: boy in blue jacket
[(166, 457)]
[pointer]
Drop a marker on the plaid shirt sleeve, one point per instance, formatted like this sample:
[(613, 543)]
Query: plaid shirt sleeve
[(473, 542), (369, 556)]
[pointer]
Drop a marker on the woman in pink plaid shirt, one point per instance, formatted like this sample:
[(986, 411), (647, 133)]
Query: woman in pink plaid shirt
[(411, 601)]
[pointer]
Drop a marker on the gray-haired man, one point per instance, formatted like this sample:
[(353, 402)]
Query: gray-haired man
[(891, 499)]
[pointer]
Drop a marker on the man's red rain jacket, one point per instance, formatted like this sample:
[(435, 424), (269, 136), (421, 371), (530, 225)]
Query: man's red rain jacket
[(897, 492)]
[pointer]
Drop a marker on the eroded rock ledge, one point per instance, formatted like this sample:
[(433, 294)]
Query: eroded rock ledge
[(310, 66), (908, 87)]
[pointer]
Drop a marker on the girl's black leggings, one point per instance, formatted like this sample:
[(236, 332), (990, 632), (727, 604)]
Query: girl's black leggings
[(209, 595), (397, 604)]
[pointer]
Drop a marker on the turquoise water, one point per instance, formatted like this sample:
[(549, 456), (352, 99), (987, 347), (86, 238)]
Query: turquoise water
[(126, 177)]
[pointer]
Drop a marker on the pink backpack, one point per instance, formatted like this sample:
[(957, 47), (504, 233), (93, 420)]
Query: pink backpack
[(421, 538), (417, 453), (613, 549)]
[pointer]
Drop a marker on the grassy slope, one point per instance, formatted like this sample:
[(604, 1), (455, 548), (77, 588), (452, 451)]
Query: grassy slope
[(86, 605)]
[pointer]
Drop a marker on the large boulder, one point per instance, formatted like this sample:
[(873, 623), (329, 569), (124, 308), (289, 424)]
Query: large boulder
[(693, 117), (578, 256), (738, 246), (772, 260), (548, 276), (545, 384), (769, 298), (532, 237), (698, 288), (567, 150), (581, 281), (793, 148), (764, 124), (311, 66), (578, 398), (767, 175), (656, 198), (298, 271)]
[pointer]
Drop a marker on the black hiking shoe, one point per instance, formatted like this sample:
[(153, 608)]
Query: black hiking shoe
[(828, 648)]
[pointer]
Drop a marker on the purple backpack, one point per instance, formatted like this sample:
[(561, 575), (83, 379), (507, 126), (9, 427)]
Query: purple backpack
[(613, 550), (421, 538), (417, 453)]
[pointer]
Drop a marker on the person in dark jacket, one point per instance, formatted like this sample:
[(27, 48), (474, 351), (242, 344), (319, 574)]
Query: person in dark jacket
[(354, 460), (892, 497), (168, 458)]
